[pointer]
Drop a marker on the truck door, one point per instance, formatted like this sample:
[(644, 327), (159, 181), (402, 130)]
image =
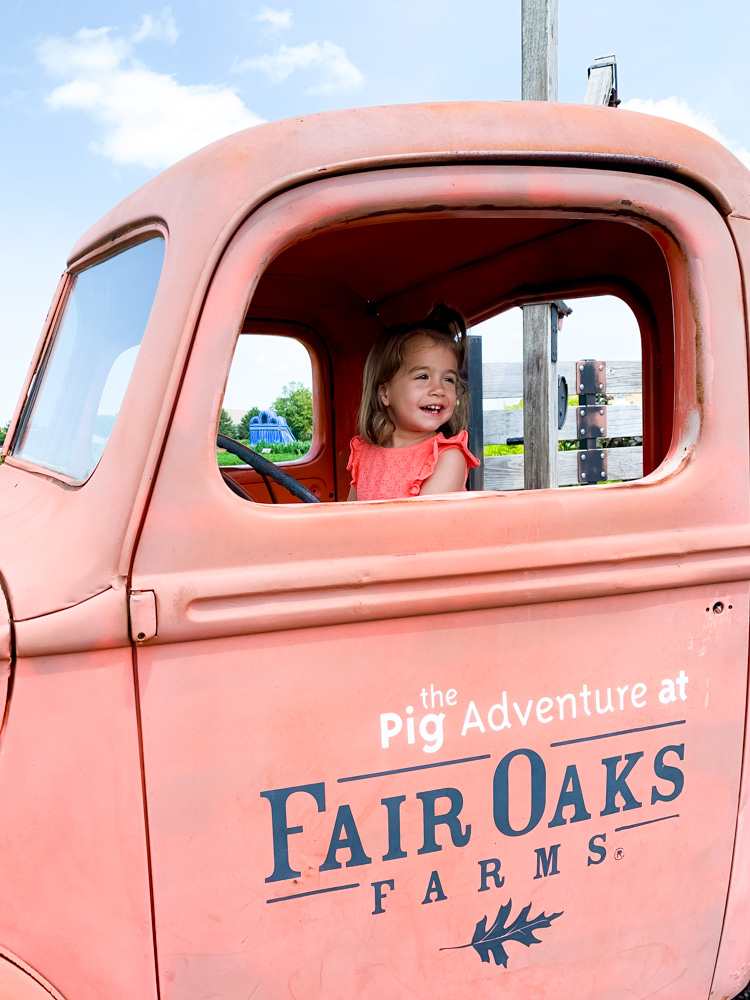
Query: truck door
[(412, 748)]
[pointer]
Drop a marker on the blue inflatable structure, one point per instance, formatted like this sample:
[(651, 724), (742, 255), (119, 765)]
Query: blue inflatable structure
[(268, 426)]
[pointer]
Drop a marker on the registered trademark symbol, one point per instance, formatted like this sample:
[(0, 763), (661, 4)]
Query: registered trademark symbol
[(619, 854)]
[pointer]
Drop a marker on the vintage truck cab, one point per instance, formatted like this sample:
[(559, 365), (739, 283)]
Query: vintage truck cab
[(472, 745)]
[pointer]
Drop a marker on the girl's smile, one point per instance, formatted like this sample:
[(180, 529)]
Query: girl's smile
[(421, 396)]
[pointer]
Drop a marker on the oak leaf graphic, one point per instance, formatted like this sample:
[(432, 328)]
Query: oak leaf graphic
[(490, 941)]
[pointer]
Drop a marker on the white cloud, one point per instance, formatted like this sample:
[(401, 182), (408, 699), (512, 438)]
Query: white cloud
[(277, 20), (338, 74), (678, 110), (91, 52), (158, 29), (149, 118)]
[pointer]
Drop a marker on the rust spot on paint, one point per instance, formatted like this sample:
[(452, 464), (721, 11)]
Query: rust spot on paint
[(699, 390)]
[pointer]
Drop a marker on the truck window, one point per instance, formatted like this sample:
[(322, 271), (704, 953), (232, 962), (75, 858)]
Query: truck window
[(350, 283), (270, 405), (78, 389), (268, 399), (603, 328)]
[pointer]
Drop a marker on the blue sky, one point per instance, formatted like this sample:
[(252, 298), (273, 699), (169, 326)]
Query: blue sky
[(96, 98)]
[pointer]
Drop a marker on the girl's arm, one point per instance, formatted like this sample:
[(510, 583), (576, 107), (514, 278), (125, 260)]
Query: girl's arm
[(449, 475)]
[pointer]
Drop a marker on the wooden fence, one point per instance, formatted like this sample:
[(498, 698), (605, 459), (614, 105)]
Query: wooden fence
[(505, 381)]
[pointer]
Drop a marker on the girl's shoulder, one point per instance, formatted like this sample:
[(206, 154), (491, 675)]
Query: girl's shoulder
[(434, 448), (358, 449), (358, 444), (460, 441)]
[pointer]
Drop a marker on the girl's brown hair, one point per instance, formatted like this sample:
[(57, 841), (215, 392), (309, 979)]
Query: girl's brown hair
[(443, 325)]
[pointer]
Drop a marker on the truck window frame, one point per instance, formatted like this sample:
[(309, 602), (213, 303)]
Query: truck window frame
[(26, 406)]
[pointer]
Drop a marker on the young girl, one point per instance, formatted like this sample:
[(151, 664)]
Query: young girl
[(412, 438)]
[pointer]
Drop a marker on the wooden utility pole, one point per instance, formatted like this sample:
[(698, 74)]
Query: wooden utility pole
[(539, 50), (539, 83), (541, 321)]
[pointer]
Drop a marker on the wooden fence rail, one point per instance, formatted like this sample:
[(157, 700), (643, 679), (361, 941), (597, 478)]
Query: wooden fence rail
[(622, 421), (505, 472), (505, 380)]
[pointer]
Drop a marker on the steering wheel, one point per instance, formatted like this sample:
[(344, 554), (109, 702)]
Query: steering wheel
[(267, 470)]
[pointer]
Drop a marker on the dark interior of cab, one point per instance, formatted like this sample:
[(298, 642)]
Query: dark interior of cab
[(368, 275)]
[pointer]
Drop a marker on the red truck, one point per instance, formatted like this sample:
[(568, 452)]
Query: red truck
[(472, 745)]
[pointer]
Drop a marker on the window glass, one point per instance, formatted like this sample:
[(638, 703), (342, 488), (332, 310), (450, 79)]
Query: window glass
[(80, 385), (602, 328), (268, 402)]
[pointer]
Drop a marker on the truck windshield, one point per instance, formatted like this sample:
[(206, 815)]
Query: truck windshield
[(80, 384)]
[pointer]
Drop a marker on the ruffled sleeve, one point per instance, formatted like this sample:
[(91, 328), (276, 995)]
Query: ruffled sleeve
[(356, 445), (439, 444)]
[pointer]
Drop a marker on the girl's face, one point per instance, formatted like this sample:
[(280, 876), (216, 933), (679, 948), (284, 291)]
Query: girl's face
[(421, 396)]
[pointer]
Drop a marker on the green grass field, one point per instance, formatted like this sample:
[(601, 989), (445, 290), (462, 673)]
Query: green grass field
[(275, 453)]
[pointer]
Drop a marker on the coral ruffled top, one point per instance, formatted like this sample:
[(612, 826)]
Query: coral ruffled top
[(389, 473)]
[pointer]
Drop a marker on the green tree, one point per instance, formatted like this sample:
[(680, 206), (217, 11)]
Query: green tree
[(243, 427), (295, 406), (226, 427)]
